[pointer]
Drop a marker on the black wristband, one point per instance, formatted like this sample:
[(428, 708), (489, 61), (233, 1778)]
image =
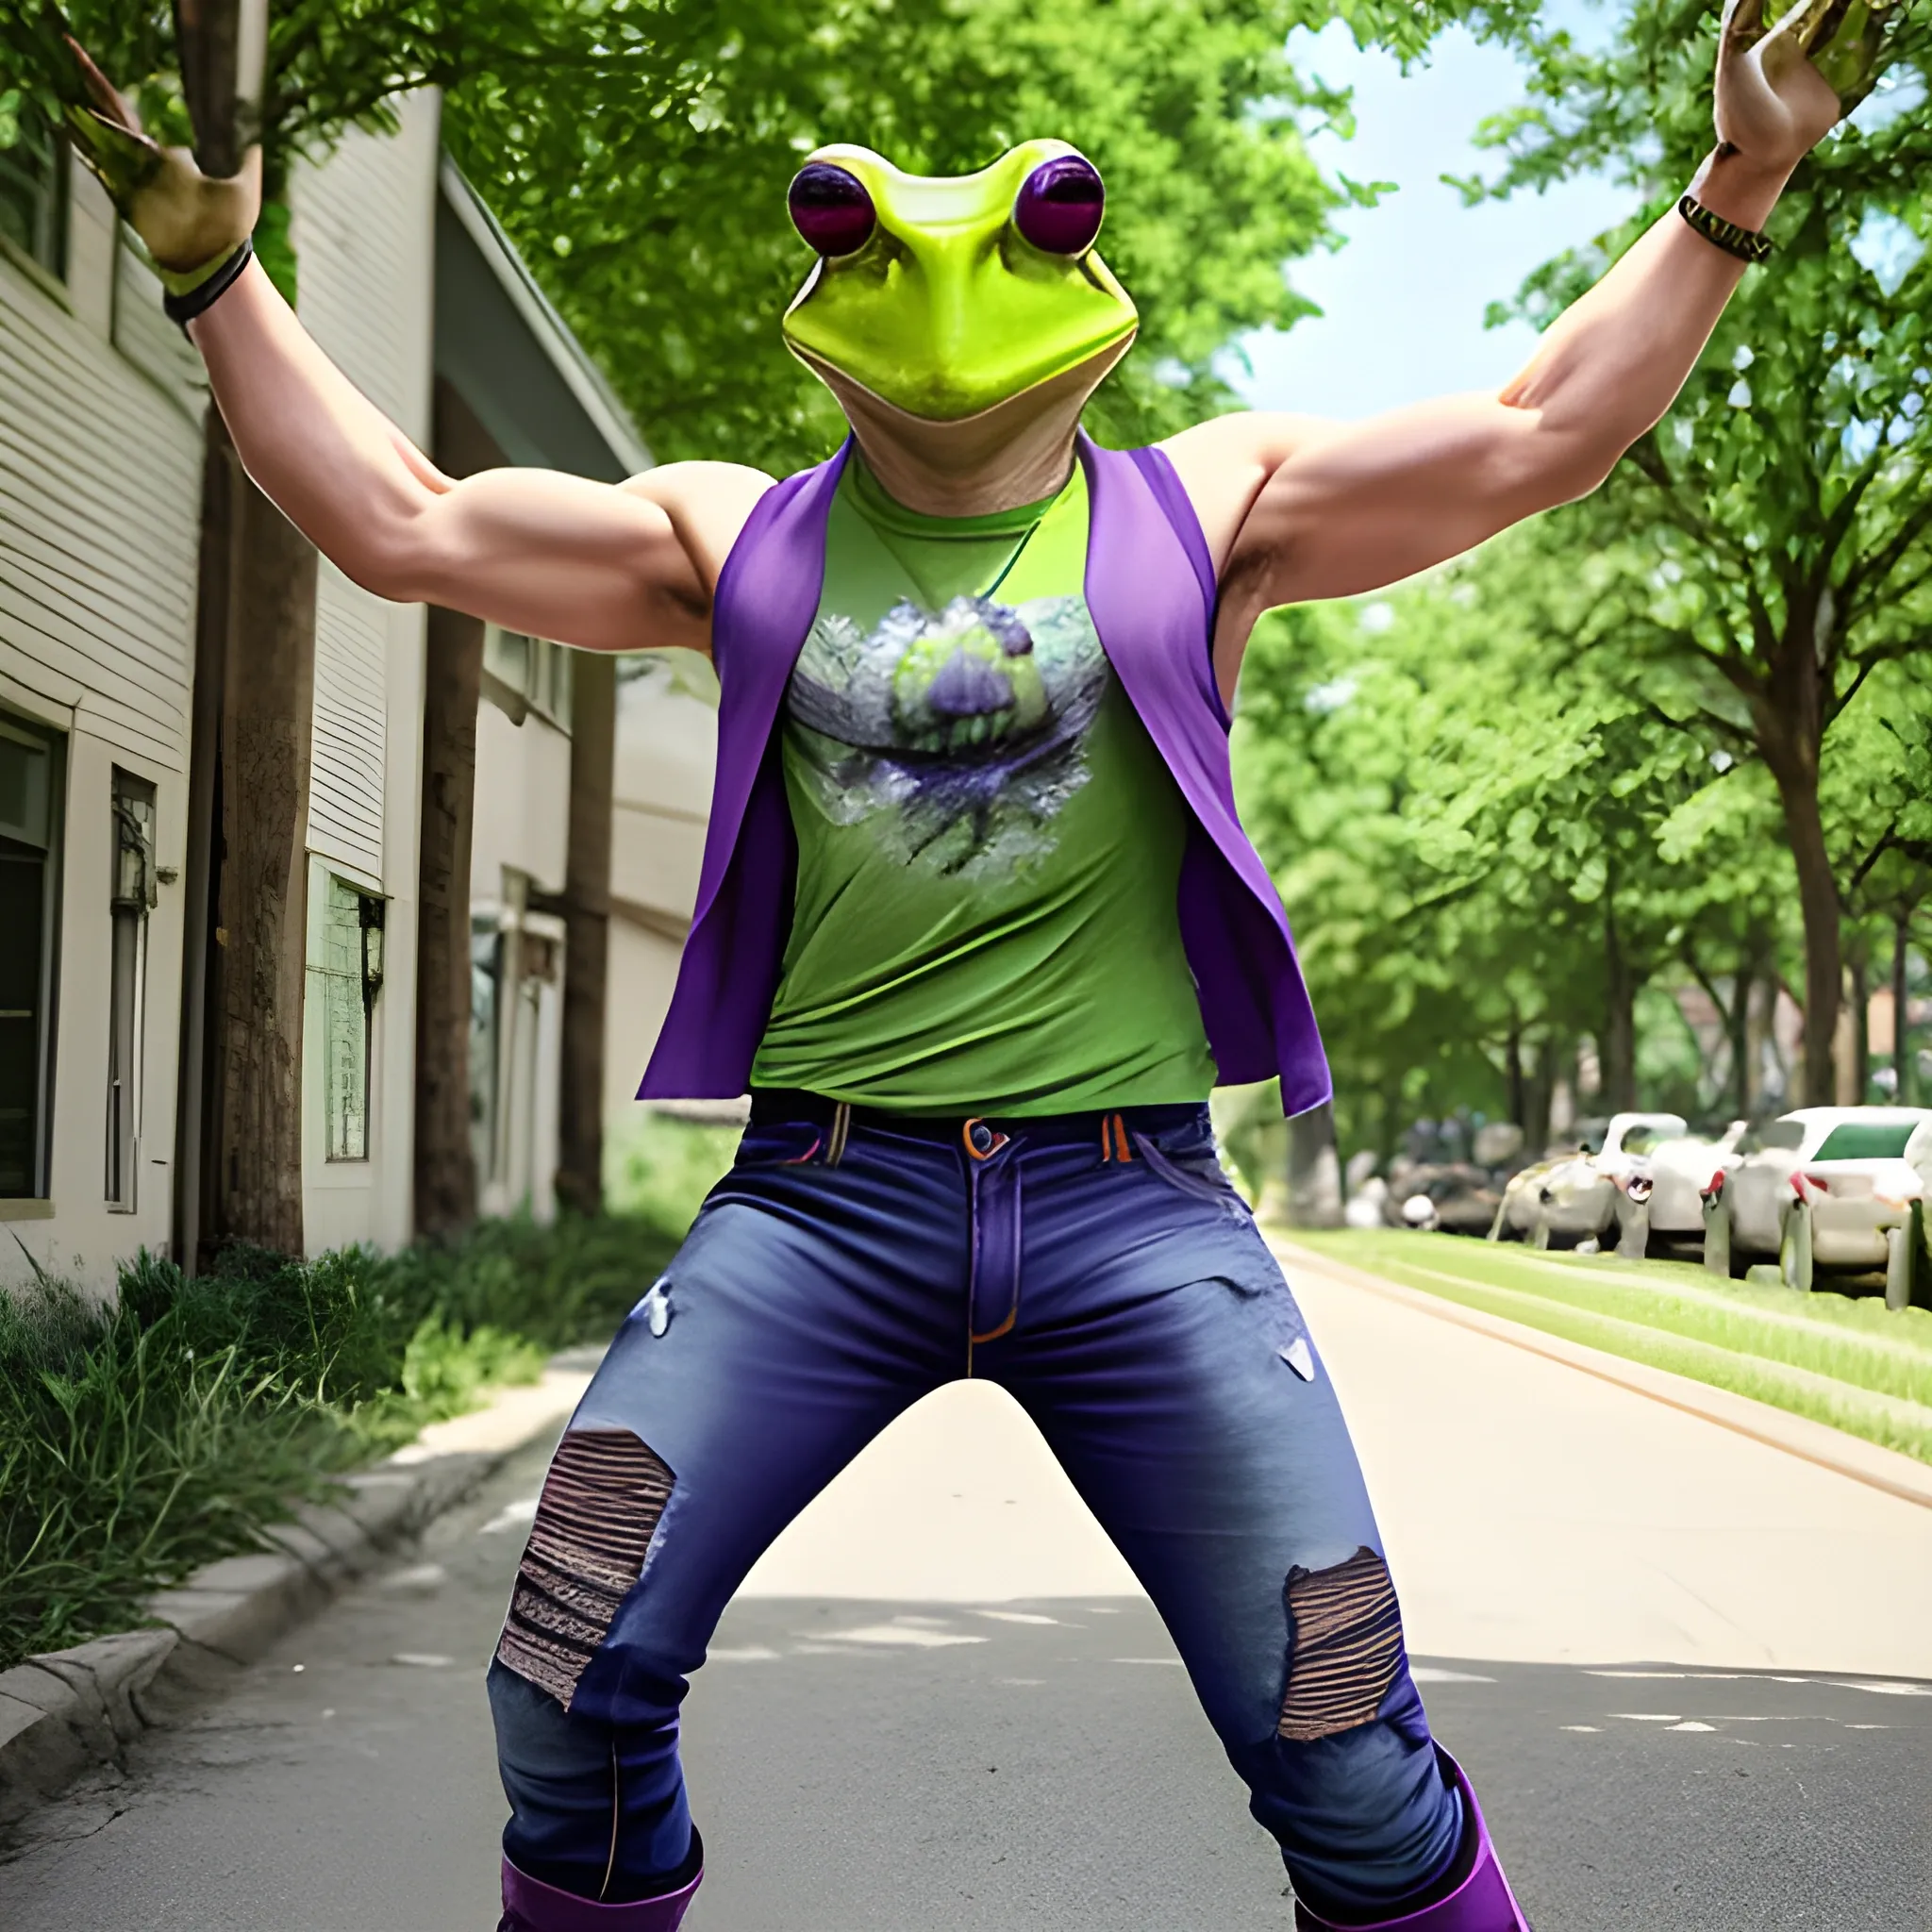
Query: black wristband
[(1746, 244), (199, 300)]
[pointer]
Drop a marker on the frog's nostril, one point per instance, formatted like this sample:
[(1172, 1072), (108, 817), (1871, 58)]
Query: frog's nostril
[(831, 209), (1059, 204)]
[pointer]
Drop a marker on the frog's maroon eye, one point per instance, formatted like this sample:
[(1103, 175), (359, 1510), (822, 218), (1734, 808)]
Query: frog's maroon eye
[(1059, 206), (831, 209)]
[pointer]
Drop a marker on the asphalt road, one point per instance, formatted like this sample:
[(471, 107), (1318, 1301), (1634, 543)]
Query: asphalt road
[(1017, 1766)]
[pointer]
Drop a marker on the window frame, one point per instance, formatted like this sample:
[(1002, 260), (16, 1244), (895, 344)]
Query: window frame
[(52, 743), (45, 250)]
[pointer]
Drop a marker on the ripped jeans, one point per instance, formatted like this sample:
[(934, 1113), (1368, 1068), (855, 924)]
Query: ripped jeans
[(1100, 1269)]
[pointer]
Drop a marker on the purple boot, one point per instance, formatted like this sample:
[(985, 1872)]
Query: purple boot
[(1481, 1901), (530, 1906)]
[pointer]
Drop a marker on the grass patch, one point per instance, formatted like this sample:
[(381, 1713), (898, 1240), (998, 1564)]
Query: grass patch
[(1845, 1360), (142, 1439)]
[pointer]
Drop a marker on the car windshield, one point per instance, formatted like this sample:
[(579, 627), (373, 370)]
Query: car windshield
[(1785, 1134), (1867, 1140), (1644, 1141)]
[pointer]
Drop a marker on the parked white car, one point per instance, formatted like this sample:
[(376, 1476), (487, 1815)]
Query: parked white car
[(1857, 1170), (1574, 1198), (1680, 1172)]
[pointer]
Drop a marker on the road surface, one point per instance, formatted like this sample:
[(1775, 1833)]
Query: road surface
[(1687, 1671)]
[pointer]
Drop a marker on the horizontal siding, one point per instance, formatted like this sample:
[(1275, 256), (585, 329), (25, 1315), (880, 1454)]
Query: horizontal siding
[(346, 758), (365, 235), (100, 500), (364, 239), (144, 335)]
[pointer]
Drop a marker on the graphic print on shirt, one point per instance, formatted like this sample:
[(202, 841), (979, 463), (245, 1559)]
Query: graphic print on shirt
[(955, 738)]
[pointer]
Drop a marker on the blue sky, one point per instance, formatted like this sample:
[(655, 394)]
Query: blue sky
[(1402, 303)]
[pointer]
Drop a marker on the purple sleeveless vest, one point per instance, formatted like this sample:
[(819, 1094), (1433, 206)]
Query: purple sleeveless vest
[(1150, 588)]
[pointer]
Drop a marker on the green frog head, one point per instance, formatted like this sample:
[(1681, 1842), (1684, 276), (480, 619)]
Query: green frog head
[(942, 299)]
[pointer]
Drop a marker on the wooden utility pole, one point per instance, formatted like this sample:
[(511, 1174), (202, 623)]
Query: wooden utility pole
[(446, 1177), (240, 1132), (587, 931)]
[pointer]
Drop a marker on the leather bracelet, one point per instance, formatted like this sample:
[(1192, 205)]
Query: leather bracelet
[(1745, 245), (182, 309)]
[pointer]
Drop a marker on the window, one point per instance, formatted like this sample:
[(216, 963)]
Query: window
[(30, 766), (132, 895), (33, 206), (522, 675), (1785, 1135), (351, 968), (1867, 1140)]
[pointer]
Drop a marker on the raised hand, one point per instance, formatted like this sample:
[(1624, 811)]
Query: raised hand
[(187, 221), (1781, 90)]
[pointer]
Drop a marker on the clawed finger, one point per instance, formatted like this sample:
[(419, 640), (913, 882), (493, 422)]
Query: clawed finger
[(125, 160), (108, 100)]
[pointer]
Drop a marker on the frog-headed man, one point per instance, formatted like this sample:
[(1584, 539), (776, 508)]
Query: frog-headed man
[(977, 930)]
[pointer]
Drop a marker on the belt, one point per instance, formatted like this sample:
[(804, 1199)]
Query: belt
[(992, 1177), (1107, 1128)]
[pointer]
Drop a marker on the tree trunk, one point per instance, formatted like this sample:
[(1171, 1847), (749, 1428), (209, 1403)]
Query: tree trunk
[(195, 1163), (1620, 1019), (1738, 1030), (1856, 1074), (446, 1177), (1789, 721), (1519, 1095), (587, 931), (1314, 1169), (261, 890), (238, 1130), (1903, 1082)]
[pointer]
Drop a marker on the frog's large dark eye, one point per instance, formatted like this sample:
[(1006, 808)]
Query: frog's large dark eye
[(831, 209), (1059, 204)]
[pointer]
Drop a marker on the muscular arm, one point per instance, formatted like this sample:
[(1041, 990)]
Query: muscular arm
[(600, 566), (1305, 509)]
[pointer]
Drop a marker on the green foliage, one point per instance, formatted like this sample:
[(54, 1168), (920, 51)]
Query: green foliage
[(660, 1170), (142, 1439), (671, 253), (1850, 1362), (638, 151), (1767, 550), (1471, 822)]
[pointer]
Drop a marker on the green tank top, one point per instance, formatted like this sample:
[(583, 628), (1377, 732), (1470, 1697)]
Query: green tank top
[(988, 842)]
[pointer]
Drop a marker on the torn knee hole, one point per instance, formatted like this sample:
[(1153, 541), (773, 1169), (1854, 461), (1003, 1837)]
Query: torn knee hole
[(1346, 1647), (602, 1501)]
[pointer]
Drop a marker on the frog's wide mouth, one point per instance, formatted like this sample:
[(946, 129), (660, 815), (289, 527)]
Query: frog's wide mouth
[(937, 393)]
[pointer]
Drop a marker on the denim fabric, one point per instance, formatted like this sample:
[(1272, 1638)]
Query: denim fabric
[(1150, 1340)]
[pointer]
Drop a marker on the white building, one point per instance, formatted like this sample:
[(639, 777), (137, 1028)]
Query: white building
[(409, 285), (100, 468), (667, 747)]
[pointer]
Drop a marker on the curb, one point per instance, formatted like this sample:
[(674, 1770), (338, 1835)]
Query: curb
[(71, 1711), (1811, 1442)]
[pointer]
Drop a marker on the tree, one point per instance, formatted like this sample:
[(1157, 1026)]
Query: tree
[(1776, 528), (1488, 847)]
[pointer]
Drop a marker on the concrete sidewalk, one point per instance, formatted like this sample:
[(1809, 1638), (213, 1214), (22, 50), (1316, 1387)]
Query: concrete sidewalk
[(1533, 1513)]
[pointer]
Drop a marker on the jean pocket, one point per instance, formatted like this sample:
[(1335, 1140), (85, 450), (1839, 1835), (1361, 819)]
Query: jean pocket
[(1187, 1161)]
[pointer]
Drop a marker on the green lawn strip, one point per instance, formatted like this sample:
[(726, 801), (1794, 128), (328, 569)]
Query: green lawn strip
[(1893, 1421), (1777, 1324)]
